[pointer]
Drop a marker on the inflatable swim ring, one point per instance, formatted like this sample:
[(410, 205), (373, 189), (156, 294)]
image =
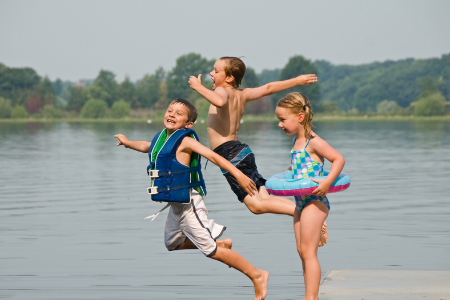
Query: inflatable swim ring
[(283, 185)]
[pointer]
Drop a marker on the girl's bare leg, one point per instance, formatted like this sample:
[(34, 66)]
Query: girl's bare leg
[(307, 228), (235, 260)]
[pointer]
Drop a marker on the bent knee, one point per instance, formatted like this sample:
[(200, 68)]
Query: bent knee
[(169, 246), (255, 208)]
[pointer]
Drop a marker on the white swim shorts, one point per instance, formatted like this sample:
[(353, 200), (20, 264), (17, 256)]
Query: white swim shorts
[(191, 221)]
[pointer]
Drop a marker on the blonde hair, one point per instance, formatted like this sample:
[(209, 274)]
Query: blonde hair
[(235, 67), (299, 103)]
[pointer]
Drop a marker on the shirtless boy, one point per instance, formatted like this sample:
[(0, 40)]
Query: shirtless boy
[(225, 113)]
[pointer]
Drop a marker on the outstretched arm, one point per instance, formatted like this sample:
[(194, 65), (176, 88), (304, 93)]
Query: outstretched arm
[(194, 146), (218, 97), (141, 146), (278, 86)]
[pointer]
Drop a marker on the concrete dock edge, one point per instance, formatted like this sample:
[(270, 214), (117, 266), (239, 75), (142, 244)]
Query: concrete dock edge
[(385, 285)]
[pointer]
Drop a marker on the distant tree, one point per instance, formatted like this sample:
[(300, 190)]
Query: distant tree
[(326, 107), (95, 91), (34, 104), (432, 105), (148, 88), (267, 76), (261, 106), (325, 70), (353, 111), (444, 78), (62, 91), (51, 112), (41, 94), (127, 92), (363, 98), (429, 87), (364, 86), (94, 108), (264, 104), (187, 65), (19, 112), (16, 84), (5, 108), (77, 98), (45, 91), (58, 87), (387, 106), (250, 79), (296, 66), (120, 109), (106, 81), (86, 82), (163, 100), (202, 107)]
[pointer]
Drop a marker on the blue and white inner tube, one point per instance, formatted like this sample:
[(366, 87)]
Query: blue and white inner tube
[(283, 184)]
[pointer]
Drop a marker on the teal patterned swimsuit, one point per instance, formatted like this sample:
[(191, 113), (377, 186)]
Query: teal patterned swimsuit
[(303, 166)]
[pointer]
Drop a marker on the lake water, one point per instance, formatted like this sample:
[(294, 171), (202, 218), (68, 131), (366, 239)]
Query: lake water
[(72, 209)]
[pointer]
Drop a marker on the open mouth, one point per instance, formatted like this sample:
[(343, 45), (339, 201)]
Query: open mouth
[(170, 121)]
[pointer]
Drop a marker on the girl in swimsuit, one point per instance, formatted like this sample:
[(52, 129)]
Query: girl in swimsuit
[(307, 158)]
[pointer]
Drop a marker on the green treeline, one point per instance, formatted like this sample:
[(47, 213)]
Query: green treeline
[(404, 87)]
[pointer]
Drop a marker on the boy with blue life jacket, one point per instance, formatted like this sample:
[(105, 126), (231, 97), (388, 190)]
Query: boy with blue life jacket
[(176, 177)]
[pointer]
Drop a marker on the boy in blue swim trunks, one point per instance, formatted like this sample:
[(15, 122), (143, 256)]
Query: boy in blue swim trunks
[(225, 113), (187, 225)]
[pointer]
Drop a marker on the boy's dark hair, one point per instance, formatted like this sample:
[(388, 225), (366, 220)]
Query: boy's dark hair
[(235, 67), (192, 111)]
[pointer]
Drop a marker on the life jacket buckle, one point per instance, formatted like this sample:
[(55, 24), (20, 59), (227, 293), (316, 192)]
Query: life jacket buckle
[(153, 190), (153, 173)]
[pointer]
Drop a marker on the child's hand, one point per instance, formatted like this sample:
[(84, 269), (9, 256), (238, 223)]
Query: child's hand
[(195, 82), (307, 79), (247, 184), (323, 187), (121, 139)]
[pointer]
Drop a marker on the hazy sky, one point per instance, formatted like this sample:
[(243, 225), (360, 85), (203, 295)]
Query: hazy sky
[(73, 40)]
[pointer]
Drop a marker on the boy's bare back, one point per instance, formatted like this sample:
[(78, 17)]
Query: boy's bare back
[(223, 122)]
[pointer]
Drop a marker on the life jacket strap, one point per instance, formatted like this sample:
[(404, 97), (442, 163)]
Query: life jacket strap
[(159, 173), (152, 217), (155, 190)]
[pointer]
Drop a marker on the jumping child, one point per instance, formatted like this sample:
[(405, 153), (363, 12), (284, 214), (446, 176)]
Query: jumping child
[(187, 225), (225, 113), (307, 159)]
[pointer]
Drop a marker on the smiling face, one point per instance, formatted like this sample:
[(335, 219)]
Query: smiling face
[(176, 117), (290, 123), (218, 75)]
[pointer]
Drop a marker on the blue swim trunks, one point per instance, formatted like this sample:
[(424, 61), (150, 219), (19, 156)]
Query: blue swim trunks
[(242, 158)]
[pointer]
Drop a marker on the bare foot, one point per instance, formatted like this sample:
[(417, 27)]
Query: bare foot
[(260, 285), (323, 235)]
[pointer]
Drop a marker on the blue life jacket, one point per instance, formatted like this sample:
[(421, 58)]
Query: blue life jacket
[(171, 180)]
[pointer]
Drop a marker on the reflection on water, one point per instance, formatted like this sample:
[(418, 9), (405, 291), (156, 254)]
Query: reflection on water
[(73, 204)]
